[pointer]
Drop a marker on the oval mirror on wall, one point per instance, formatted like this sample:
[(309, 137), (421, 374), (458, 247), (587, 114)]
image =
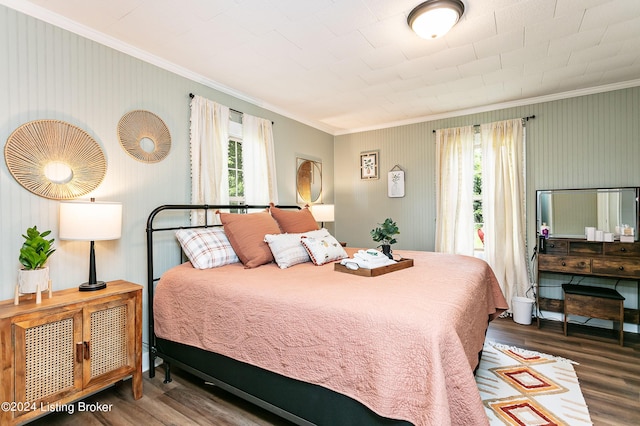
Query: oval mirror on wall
[(308, 180)]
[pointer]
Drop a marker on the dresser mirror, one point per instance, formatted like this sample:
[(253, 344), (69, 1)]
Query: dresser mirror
[(568, 211), (308, 180)]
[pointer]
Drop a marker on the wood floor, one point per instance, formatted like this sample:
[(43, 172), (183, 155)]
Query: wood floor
[(609, 377)]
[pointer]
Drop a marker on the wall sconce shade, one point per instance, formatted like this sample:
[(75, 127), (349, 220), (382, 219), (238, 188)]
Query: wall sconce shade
[(323, 213), (434, 18), (90, 221)]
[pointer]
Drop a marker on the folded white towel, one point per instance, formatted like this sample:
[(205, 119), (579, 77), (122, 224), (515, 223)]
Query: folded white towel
[(373, 256), (367, 259)]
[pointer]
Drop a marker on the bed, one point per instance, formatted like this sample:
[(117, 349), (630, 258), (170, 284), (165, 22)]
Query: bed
[(317, 346)]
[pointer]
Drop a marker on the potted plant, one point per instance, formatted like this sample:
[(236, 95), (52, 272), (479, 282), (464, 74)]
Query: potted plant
[(34, 253), (384, 234)]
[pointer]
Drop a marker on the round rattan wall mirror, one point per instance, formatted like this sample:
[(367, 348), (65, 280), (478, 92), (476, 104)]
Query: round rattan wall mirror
[(55, 159), (144, 136)]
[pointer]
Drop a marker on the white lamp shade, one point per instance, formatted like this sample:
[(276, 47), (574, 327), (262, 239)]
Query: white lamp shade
[(90, 221), (323, 212)]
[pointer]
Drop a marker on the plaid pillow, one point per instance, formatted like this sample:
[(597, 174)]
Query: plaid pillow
[(206, 247)]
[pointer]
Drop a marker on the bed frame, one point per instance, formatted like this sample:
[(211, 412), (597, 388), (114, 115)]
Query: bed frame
[(299, 402)]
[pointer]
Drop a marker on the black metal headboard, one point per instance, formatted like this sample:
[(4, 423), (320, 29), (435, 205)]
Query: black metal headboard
[(151, 278)]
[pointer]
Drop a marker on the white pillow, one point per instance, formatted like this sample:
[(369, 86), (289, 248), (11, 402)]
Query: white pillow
[(323, 249), (206, 247), (287, 249)]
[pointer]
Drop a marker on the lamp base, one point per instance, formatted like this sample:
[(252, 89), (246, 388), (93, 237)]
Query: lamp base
[(92, 287)]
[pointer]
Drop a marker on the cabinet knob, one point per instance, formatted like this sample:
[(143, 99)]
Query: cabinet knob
[(552, 245), (621, 268), (623, 249), (564, 263)]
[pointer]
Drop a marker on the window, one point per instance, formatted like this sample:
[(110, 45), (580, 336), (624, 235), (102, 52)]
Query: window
[(236, 178), (478, 245), (236, 181)]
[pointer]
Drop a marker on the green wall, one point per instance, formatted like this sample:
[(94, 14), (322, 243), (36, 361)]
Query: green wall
[(580, 142), (50, 73)]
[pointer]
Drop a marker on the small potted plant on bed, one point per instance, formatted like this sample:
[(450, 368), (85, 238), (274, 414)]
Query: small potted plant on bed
[(384, 234), (34, 253)]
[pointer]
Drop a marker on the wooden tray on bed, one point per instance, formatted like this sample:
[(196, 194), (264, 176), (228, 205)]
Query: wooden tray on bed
[(400, 264)]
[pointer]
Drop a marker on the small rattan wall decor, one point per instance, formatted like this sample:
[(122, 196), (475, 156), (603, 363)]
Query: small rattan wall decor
[(144, 136), (55, 159)]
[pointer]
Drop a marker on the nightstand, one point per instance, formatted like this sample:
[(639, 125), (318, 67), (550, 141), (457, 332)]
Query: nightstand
[(67, 347)]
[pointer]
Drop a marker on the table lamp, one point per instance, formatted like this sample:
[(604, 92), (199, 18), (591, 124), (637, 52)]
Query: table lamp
[(90, 221), (323, 213)]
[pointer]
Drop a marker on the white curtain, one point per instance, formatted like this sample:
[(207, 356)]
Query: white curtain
[(503, 204), (454, 190), (209, 154), (259, 163)]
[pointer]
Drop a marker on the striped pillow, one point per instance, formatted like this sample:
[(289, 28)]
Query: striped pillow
[(287, 249), (206, 247)]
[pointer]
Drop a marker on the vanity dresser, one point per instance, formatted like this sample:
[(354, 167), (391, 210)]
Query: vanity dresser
[(566, 251)]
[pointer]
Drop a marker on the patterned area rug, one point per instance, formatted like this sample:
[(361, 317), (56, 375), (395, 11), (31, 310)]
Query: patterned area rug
[(524, 388)]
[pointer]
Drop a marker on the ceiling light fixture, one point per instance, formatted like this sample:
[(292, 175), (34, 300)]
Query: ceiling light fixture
[(434, 18)]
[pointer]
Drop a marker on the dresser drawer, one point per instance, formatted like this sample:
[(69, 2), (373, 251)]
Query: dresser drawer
[(625, 267), (585, 248), (622, 249), (556, 246), (565, 264)]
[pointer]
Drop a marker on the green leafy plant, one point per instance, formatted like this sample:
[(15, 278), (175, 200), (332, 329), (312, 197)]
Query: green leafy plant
[(385, 232), (36, 249)]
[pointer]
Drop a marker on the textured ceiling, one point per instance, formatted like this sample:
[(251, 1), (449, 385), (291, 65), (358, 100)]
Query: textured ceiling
[(348, 65)]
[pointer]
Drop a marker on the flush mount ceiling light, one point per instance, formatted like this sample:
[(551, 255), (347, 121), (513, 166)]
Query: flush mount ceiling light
[(434, 18)]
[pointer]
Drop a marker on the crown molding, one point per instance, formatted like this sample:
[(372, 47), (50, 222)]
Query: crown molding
[(45, 15), (65, 23), (502, 105)]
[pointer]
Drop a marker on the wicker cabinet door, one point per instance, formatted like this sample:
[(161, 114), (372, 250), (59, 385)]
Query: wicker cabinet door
[(47, 365), (109, 336)]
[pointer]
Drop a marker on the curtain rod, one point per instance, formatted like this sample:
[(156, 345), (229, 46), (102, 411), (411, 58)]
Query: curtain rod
[(531, 117), (191, 95)]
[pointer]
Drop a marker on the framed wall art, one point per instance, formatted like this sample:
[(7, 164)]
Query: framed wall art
[(395, 182), (369, 165)]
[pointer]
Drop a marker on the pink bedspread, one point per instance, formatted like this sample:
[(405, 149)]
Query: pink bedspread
[(404, 344)]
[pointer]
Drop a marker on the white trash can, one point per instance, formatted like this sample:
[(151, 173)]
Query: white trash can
[(522, 309)]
